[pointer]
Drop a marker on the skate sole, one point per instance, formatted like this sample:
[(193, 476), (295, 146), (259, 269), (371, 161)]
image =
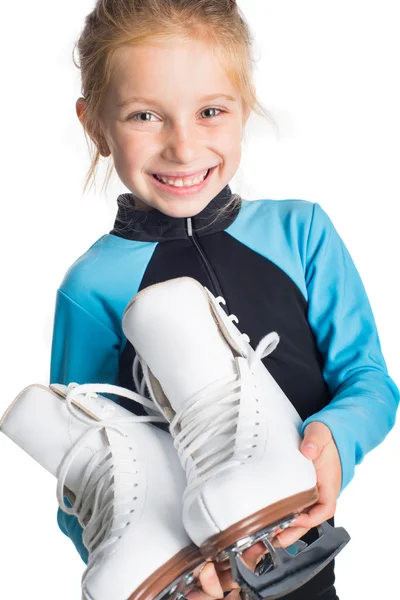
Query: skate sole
[(277, 512), (187, 561)]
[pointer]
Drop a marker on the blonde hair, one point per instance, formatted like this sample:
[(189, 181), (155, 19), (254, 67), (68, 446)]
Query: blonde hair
[(117, 23)]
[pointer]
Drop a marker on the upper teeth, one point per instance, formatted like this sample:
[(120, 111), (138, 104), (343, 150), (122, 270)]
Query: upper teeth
[(184, 181)]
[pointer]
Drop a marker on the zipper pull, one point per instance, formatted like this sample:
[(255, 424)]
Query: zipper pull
[(189, 226)]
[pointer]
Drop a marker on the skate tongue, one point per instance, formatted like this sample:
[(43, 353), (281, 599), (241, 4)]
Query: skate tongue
[(172, 328)]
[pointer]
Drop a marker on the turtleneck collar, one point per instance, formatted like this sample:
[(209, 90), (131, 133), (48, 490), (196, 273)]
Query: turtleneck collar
[(155, 226)]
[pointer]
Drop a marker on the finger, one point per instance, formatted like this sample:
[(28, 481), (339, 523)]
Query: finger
[(198, 595), (327, 496), (315, 515), (234, 595), (252, 555), (291, 535), (227, 582), (316, 437), (302, 520), (209, 582), (223, 565)]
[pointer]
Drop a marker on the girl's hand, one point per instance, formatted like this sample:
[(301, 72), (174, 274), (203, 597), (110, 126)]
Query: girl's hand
[(318, 445), (216, 578)]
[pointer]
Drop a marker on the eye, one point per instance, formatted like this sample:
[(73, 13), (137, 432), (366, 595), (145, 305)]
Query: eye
[(217, 109), (140, 120), (132, 117)]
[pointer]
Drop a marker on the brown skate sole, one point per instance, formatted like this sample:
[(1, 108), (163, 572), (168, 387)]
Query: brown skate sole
[(185, 561), (278, 511)]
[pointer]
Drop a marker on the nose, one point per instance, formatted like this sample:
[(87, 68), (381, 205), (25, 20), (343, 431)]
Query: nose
[(183, 141)]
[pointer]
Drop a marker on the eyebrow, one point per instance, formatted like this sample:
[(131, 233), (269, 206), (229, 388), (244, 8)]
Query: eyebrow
[(151, 101)]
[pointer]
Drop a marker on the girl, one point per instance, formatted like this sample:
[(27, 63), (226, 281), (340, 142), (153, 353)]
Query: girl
[(167, 93)]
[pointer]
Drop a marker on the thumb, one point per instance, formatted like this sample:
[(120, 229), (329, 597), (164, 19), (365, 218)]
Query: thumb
[(316, 437)]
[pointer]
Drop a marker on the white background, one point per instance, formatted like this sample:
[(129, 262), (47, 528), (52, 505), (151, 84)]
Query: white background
[(329, 74)]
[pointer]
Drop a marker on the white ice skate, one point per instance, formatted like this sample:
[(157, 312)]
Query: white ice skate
[(125, 484), (234, 429)]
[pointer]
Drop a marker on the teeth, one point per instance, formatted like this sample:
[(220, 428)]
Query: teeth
[(185, 181)]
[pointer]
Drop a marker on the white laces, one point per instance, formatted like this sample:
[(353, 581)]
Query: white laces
[(100, 503), (204, 429)]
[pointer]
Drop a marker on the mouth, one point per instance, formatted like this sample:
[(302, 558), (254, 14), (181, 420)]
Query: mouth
[(183, 190), (183, 177)]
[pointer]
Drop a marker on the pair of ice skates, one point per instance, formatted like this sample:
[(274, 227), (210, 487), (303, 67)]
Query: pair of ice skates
[(149, 525)]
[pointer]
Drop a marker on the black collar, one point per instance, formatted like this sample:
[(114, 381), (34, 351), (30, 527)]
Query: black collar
[(155, 226)]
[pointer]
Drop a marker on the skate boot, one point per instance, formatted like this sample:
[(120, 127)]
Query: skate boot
[(235, 431), (124, 481)]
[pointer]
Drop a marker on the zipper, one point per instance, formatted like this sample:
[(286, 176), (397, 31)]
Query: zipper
[(216, 290)]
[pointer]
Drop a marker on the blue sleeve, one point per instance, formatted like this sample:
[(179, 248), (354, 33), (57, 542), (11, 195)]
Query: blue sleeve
[(364, 397), (84, 350)]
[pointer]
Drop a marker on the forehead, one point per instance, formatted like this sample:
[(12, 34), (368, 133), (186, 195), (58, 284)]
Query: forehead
[(186, 70)]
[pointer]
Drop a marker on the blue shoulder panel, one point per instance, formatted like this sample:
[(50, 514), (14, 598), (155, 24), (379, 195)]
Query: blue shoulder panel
[(277, 230), (111, 269)]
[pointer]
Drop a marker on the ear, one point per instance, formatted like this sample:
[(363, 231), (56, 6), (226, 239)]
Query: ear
[(97, 138), (79, 107)]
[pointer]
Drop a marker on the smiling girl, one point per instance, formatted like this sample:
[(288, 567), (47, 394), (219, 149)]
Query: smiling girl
[(166, 93)]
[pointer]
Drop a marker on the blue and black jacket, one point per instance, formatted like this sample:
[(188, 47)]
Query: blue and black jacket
[(281, 266)]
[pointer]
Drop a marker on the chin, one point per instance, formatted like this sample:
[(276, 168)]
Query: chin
[(183, 207)]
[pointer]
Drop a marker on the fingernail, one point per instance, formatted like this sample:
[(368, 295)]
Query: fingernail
[(311, 446)]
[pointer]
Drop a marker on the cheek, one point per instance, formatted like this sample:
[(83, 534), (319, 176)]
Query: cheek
[(229, 142), (235, 155), (128, 152), (137, 148)]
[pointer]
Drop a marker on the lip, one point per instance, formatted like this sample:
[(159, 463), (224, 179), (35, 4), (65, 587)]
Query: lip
[(177, 174), (183, 191)]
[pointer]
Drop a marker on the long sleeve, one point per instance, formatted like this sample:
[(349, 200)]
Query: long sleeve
[(84, 350), (364, 397)]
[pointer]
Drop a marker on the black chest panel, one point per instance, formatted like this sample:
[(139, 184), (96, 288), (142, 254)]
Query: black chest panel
[(263, 298)]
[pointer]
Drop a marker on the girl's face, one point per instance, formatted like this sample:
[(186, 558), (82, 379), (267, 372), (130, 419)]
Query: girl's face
[(173, 128)]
